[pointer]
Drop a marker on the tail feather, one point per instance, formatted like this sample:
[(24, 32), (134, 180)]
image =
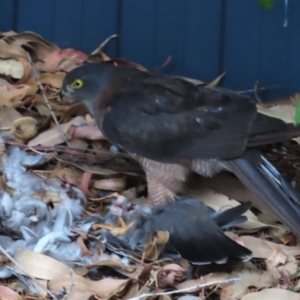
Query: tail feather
[(290, 131), (265, 182), (231, 217)]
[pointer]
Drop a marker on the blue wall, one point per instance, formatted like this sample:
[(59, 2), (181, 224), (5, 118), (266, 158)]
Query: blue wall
[(204, 37)]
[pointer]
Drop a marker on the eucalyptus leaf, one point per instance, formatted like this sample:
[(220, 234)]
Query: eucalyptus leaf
[(266, 4), (297, 114)]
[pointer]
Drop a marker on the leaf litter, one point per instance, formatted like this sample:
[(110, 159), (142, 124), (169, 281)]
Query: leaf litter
[(54, 195)]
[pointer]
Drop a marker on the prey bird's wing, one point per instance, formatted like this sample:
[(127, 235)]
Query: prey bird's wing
[(194, 232), (171, 120)]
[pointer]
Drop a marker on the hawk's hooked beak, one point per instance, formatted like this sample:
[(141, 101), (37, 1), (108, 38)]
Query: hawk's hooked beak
[(65, 94), (62, 93)]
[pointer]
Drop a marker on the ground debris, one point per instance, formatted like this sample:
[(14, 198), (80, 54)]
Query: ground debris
[(56, 190)]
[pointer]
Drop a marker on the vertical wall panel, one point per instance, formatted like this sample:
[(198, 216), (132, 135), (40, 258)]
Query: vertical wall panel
[(84, 24), (170, 34), (7, 15), (186, 30), (202, 39), (294, 47), (68, 21), (36, 16), (99, 21), (137, 34), (274, 52), (79, 24), (241, 44)]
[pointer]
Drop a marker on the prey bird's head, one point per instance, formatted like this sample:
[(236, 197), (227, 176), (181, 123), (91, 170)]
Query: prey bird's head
[(86, 83)]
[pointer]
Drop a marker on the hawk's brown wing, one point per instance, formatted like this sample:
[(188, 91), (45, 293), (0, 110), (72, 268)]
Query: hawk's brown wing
[(171, 120)]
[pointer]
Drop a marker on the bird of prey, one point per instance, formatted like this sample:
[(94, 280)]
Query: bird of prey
[(172, 127)]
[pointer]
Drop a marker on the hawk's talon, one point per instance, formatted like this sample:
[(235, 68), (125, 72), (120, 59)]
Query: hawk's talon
[(117, 230)]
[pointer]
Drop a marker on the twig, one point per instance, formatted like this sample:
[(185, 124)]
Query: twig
[(256, 93), (253, 90), (103, 44), (66, 296), (217, 282), (257, 89), (212, 291), (67, 149), (36, 77), (28, 275), (157, 69)]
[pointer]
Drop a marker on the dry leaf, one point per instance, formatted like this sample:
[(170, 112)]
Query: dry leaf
[(276, 258), (7, 116), (155, 245), (69, 175), (189, 297), (11, 50), (264, 249), (170, 275), (24, 128), (73, 110), (85, 183), (11, 95), (64, 59), (7, 33), (129, 271), (48, 196), (89, 168), (216, 81), (78, 143), (38, 283), (89, 132), (104, 56), (29, 36), (84, 250), (130, 194), (111, 184), (39, 265), (104, 288), (53, 79), (8, 294), (124, 62), (228, 185), (250, 277), (52, 136), (133, 291), (220, 202), (193, 285), (16, 68), (285, 112), (27, 71), (272, 294), (43, 110), (192, 80), (33, 42), (289, 266)]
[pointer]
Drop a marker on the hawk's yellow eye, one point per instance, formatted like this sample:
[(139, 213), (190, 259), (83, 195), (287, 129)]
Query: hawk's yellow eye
[(77, 84)]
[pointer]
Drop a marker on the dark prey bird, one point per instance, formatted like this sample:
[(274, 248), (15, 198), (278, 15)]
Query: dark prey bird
[(196, 235), (172, 127)]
